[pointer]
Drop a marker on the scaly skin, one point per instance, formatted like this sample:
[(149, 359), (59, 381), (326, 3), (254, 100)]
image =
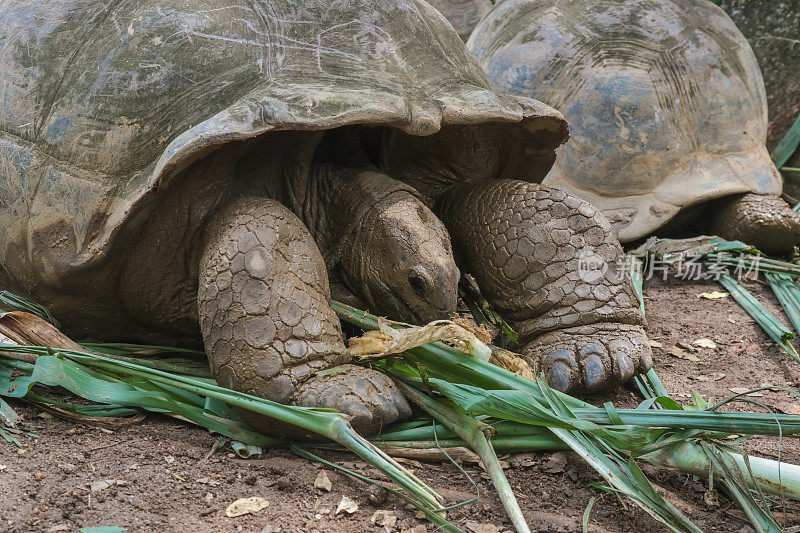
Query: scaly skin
[(266, 321), (524, 242), (766, 222)]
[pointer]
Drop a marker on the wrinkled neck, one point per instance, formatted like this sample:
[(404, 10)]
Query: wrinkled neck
[(347, 202)]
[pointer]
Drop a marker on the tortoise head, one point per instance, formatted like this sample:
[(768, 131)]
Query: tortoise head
[(400, 261)]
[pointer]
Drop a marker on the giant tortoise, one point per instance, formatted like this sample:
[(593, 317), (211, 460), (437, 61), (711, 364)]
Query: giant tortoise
[(176, 171), (666, 107), (463, 15)]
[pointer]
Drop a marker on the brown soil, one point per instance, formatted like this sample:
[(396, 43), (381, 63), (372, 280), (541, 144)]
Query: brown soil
[(169, 480)]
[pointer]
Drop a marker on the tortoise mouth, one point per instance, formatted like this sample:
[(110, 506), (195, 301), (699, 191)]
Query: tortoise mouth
[(418, 316)]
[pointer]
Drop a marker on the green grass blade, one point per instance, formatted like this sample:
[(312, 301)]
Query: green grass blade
[(8, 416), (774, 328), (11, 302), (788, 145), (50, 369), (788, 294), (475, 433)]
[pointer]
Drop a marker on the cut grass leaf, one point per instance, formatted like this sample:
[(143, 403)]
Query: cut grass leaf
[(145, 387), (12, 302), (476, 434), (787, 145), (774, 327), (637, 267), (788, 294), (608, 439)]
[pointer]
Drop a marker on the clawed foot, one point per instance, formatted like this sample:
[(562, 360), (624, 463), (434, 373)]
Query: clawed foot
[(763, 221), (590, 358), (371, 398)]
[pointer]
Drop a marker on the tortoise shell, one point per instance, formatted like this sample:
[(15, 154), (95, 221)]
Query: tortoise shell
[(103, 104), (664, 98)]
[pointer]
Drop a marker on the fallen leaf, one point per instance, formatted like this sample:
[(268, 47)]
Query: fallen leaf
[(655, 344), (97, 486), (715, 376), (384, 518), (555, 463), (713, 295), (475, 527), (742, 390), (685, 346), (523, 460), (705, 343), (346, 506), (419, 528), (680, 354), (322, 481), (788, 408), (711, 498), (245, 506)]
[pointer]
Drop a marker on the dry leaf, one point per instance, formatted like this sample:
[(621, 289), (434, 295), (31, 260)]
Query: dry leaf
[(555, 463), (245, 506), (458, 454), (322, 481), (346, 506), (512, 362), (742, 390), (687, 347), (30, 330), (715, 376), (680, 354), (788, 408), (705, 343), (655, 344), (97, 486), (713, 295), (524, 460), (475, 527), (384, 518), (711, 498)]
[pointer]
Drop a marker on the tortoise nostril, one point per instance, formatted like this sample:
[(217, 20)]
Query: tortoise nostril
[(420, 281)]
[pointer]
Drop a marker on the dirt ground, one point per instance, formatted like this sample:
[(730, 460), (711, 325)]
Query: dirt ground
[(161, 474)]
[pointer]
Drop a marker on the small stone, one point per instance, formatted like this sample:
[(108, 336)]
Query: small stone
[(67, 468)]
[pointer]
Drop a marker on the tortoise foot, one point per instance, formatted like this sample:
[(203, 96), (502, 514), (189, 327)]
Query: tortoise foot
[(590, 358), (764, 221), (371, 398)]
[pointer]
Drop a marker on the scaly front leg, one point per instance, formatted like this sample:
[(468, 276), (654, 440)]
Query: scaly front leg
[(267, 324), (548, 263)]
